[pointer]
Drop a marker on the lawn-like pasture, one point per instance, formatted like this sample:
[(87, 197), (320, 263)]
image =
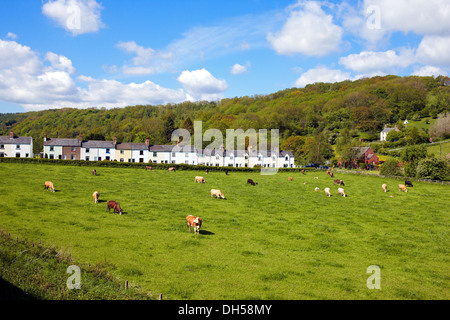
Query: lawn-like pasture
[(277, 240)]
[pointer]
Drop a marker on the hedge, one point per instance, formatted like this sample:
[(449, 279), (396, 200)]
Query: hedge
[(158, 166)]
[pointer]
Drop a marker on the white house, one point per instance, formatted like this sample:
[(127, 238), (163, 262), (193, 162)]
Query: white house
[(386, 130), (93, 150), (16, 147)]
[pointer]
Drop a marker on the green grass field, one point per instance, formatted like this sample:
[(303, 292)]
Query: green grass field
[(276, 240)]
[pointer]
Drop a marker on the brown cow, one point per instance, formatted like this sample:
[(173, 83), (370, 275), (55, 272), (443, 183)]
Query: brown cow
[(96, 195), (115, 206), (94, 172), (402, 187), (339, 182), (303, 171), (291, 179), (148, 168), (49, 185), (171, 169), (195, 222)]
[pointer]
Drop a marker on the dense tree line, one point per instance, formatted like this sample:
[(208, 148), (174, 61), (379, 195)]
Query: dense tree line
[(310, 120)]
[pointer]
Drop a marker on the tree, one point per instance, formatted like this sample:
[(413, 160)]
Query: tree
[(441, 128), (390, 168), (411, 156), (319, 149), (433, 168)]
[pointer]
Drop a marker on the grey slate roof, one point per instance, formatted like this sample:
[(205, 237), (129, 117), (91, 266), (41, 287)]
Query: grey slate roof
[(63, 142), (16, 140), (98, 144)]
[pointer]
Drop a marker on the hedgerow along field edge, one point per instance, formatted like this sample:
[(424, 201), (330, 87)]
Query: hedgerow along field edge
[(277, 240)]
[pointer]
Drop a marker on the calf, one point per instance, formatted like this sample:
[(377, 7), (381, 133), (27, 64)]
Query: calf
[(96, 195), (342, 192), (408, 183), (200, 179), (402, 187), (384, 186), (94, 172), (327, 192), (339, 182), (291, 179), (253, 183), (303, 171), (195, 222), (115, 206), (171, 169), (49, 185), (217, 193)]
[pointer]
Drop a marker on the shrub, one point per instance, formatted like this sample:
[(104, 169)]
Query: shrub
[(390, 168), (433, 168)]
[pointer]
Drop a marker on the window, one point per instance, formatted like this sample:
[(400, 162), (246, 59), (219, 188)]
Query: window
[(107, 150), (287, 158), (73, 149), (121, 160), (186, 155), (173, 154), (87, 158), (107, 158), (122, 152), (87, 150), (50, 156), (99, 158), (52, 148), (141, 160), (217, 157), (72, 157), (186, 162), (259, 158), (17, 155), (2, 146), (26, 155), (154, 154), (18, 146), (141, 153)]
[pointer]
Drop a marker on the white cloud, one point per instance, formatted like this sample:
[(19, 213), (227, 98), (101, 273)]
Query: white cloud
[(308, 31), (60, 62), (321, 74), (434, 50), (27, 81), (11, 36), (429, 71), (369, 62), (422, 17), (239, 69), (76, 16), (202, 85)]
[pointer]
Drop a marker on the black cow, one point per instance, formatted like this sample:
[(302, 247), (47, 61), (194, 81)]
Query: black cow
[(251, 182), (408, 183)]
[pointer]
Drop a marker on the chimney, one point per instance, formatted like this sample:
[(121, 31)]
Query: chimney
[(147, 142), (45, 136), (80, 137), (11, 135), (114, 140)]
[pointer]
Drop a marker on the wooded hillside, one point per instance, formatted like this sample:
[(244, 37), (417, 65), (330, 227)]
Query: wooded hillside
[(319, 111)]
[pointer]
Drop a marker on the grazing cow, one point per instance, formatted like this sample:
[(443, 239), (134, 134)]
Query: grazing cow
[(171, 169), (49, 185), (115, 206), (291, 179), (200, 179), (206, 171), (317, 178), (327, 192), (96, 195), (253, 183), (94, 172), (339, 182), (331, 174), (217, 193), (226, 172), (402, 187), (195, 222), (148, 168), (408, 183), (384, 186), (303, 171), (342, 192)]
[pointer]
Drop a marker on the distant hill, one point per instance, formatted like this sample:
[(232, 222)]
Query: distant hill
[(365, 105)]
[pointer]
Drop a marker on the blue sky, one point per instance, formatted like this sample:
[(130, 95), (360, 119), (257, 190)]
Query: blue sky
[(92, 53)]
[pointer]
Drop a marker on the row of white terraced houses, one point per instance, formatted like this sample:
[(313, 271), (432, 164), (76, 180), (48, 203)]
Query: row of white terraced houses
[(78, 149)]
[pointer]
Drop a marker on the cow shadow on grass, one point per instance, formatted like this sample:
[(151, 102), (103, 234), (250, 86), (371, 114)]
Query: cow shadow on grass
[(206, 233)]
